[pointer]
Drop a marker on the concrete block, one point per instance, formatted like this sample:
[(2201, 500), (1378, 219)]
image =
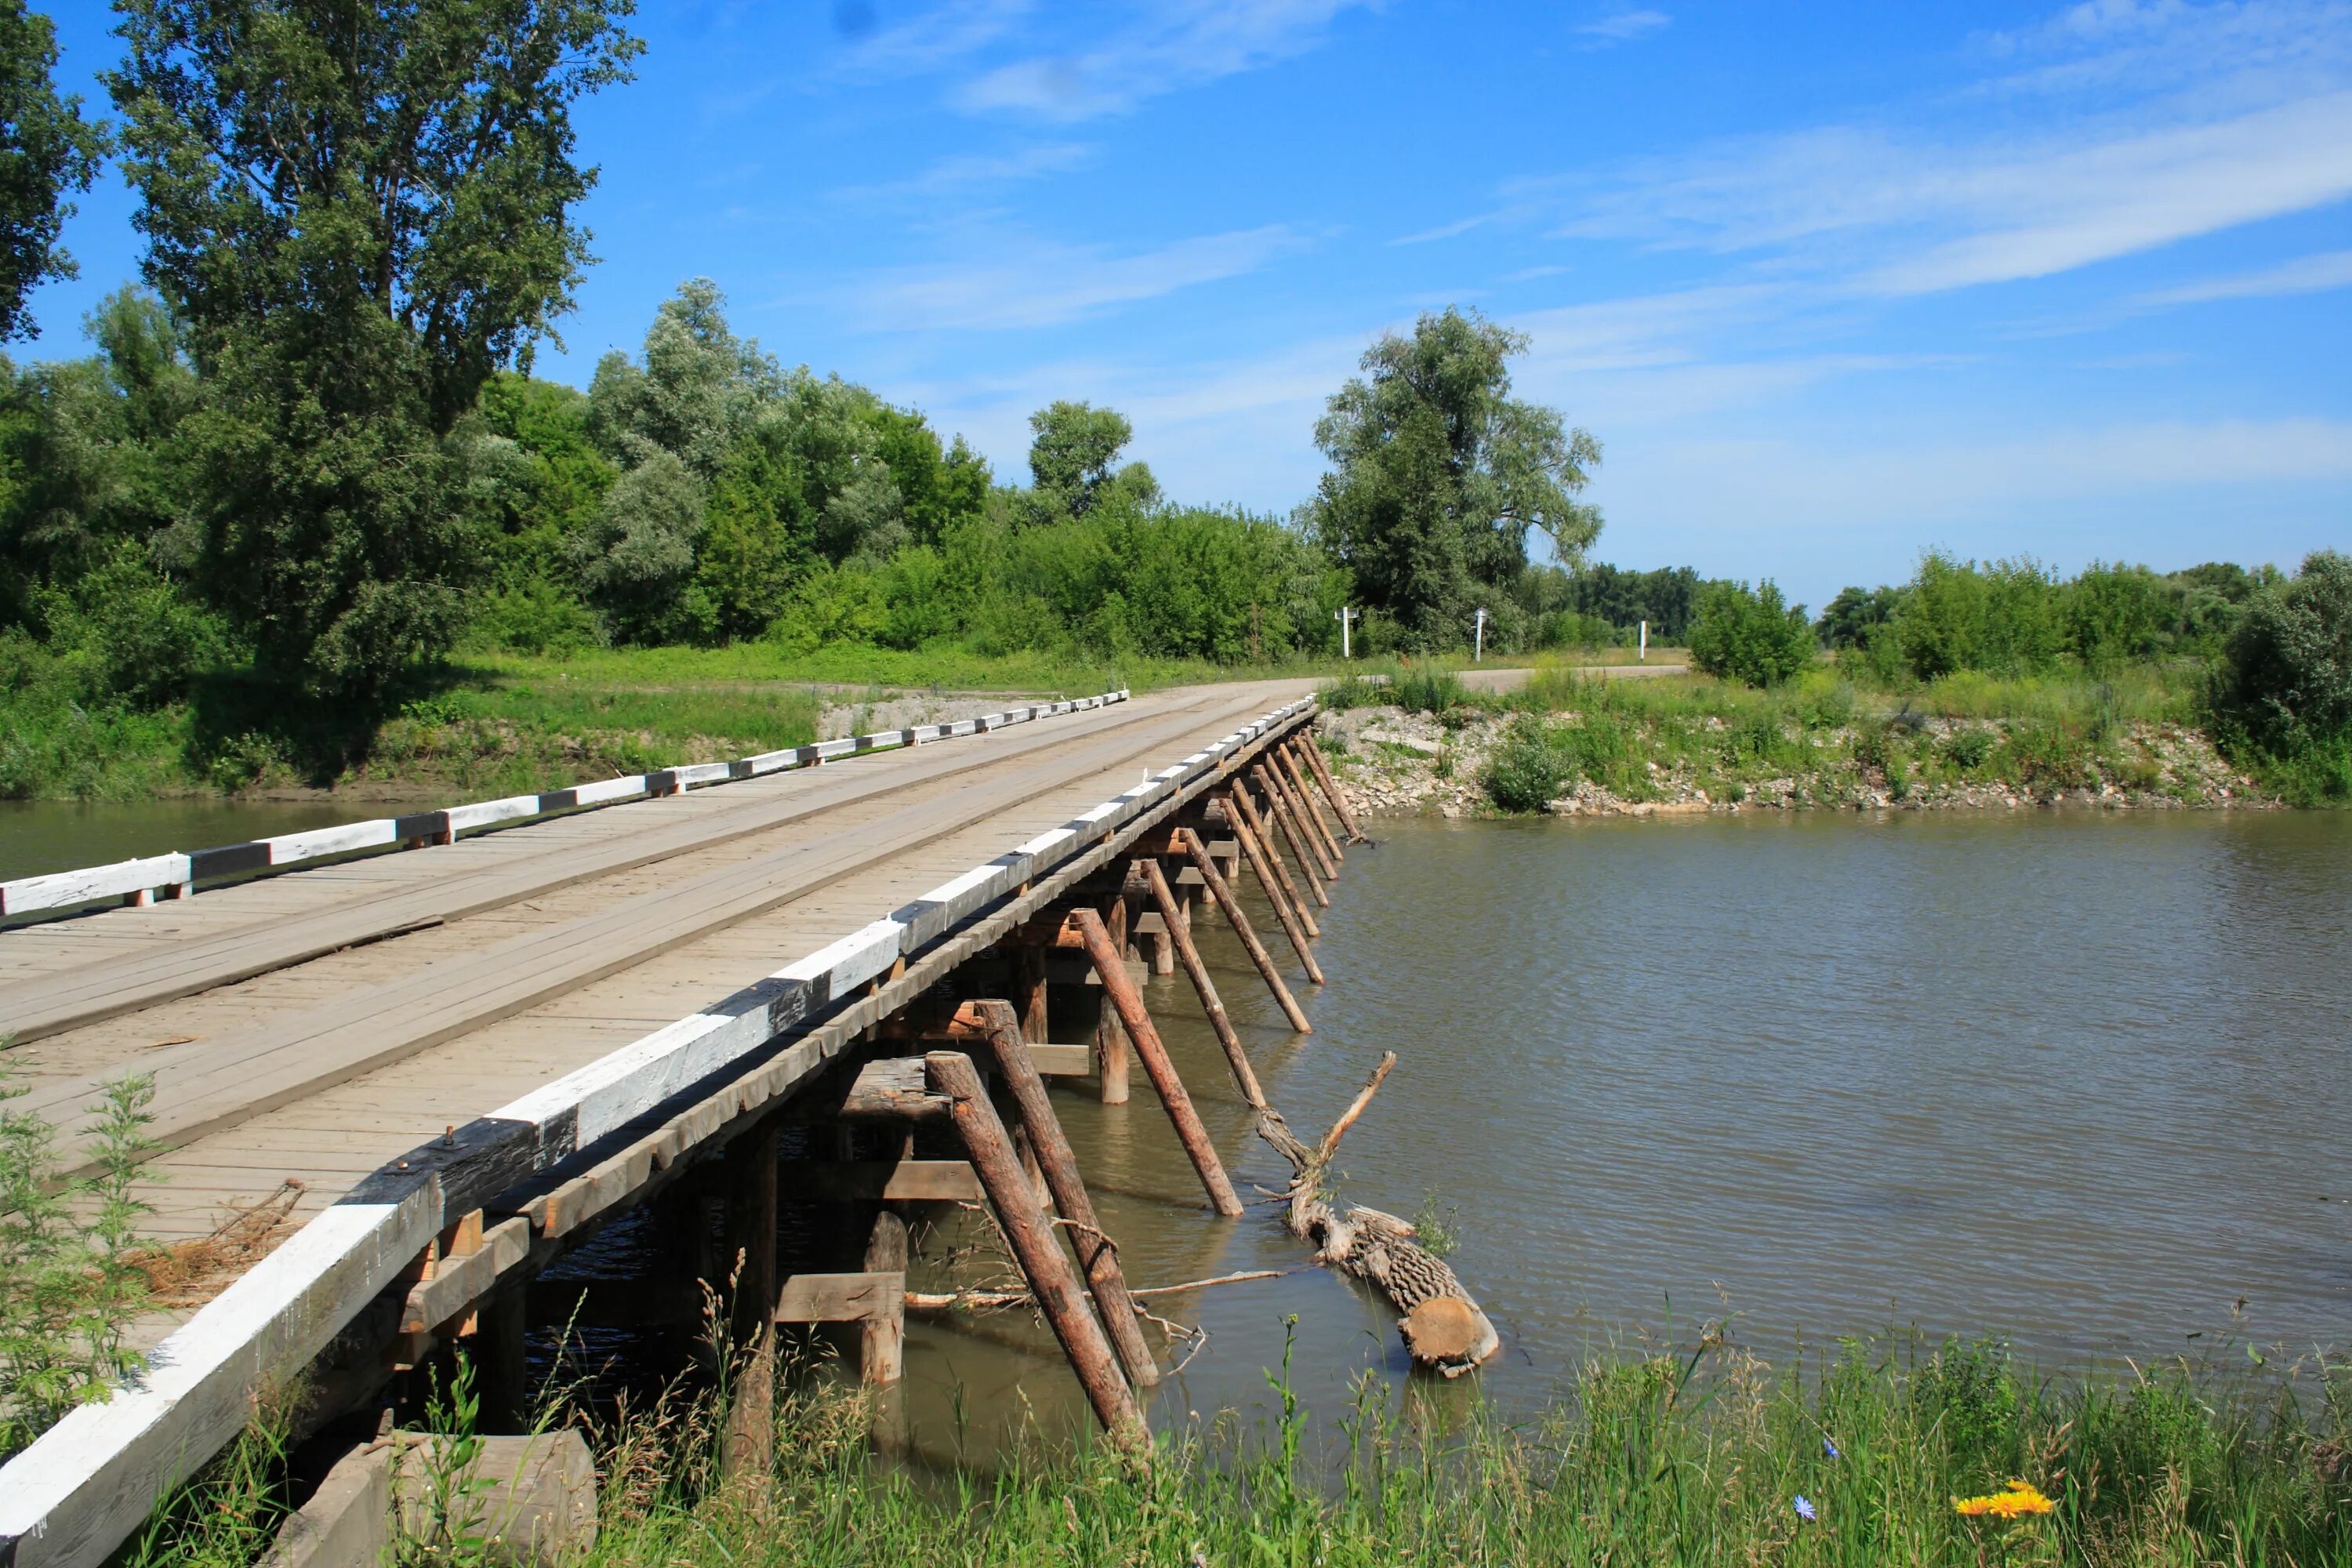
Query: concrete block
[(533, 1500)]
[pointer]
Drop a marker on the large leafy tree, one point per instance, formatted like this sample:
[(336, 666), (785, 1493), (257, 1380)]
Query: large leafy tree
[(1437, 472), (359, 211), (46, 149)]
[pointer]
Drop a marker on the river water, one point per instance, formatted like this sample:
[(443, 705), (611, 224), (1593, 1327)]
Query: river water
[(43, 835), (2071, 1080), (2068, 1077)]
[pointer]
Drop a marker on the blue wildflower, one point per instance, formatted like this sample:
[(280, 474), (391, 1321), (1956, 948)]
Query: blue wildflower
[(1829, 1449), (1805, 1509)]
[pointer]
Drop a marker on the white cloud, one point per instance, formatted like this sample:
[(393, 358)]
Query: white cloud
[(941, 37), (1174, 44), (1037, 284), (1622, 27), (968, 173), (2304, 275)]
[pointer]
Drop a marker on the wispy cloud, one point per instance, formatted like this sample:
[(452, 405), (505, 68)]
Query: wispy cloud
[(1174, 45), (2304, 275), (943, 35), (977, 172), (1622, 27), (1040, 284)]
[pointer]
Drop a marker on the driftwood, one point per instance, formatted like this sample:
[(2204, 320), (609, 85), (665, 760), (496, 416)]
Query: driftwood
[(1443, 1326)]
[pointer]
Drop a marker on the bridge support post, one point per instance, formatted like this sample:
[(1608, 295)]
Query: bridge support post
[(1294, 778), (1322, 772), (1312, 869), (1035, 1248), (1222, 893), (1244, 1076), (1255, 854), (750, 1258), (1198, 1146), (1111, 1039), (1097, 1256)]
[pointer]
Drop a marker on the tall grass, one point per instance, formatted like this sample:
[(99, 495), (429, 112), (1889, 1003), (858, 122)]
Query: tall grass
[(1695, 1459)]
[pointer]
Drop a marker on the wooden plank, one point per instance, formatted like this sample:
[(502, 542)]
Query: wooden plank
[(895, 1181), (841, 1298)]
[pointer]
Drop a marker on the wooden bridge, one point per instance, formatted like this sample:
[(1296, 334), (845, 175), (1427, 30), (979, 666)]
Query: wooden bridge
[(553, 1008)]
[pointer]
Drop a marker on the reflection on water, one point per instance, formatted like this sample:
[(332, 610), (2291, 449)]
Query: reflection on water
[(42, 836), (2068, 1078)]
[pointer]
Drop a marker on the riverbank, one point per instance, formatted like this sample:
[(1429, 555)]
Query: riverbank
[(1682, 743), (1884, 1453)]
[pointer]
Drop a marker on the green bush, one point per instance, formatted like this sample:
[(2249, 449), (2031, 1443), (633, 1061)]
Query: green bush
[(2287, 675), (1421, 689), (1968, 749), (534, 617), (1749, 634), (1526, 771), (2001, 617)]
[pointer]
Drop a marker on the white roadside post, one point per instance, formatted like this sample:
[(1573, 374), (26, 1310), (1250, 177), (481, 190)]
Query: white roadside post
[(1478, 644), (1643, 658), (1343, 614)]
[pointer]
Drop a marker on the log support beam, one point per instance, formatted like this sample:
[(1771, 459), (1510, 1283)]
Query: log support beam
[(1031, 1235), (1221, 893)]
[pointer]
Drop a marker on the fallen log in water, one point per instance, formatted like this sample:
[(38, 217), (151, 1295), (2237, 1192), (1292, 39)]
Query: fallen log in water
[(1442, 1325)]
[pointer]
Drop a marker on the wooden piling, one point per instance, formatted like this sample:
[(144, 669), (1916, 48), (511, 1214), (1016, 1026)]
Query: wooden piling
[(1162, 1071), (1303, 848), (1286, 759), (1029, 991), (1097, 1256), (1110, 1040), (1322, 771), (750, 1254), (1297, 809), (1244, 1076), (882, 1341), (1265, 859), (1221, 893), (1254, 854), (1039, 1255)]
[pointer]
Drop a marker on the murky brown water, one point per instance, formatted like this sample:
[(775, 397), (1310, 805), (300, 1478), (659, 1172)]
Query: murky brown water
[(2073, 1079)]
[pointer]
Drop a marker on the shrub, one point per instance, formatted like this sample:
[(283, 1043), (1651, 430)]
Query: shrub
[(1749, 634), (1526, 772), (2287, 675), (1424, 690), (536, 617), (1968, 749)]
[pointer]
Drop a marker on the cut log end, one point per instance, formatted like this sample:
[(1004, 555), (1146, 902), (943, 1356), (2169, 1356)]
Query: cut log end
[(1448, 1334)]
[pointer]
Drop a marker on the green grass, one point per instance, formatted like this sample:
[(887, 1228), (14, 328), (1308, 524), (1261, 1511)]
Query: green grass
[(1695, 1459)]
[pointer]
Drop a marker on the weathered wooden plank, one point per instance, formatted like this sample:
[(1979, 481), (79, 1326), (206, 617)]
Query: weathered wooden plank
[(909, 1181), (841, 1298)]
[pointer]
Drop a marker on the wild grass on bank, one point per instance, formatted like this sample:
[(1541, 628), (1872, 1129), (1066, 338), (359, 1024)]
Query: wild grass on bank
[(1696, 1458)]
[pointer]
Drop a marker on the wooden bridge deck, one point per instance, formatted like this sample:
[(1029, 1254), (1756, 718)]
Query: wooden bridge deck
[(489, 967)]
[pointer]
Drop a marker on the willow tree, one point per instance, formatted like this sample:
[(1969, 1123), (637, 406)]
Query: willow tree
[(1437, 473), (360, 212)]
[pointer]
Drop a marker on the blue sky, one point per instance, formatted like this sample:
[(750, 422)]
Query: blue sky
[(1831, 283)]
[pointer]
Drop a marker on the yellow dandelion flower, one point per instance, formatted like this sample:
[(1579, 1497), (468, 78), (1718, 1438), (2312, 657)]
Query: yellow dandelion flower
[(2013, 1501)]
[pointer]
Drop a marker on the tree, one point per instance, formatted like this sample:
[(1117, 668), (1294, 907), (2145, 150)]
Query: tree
[(46, 149), (2288, 674), (1072, 456), (1438, 473), (360, 212), (1750, 634)]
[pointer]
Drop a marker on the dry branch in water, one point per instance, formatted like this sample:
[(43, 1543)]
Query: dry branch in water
[(1442, 1325)]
